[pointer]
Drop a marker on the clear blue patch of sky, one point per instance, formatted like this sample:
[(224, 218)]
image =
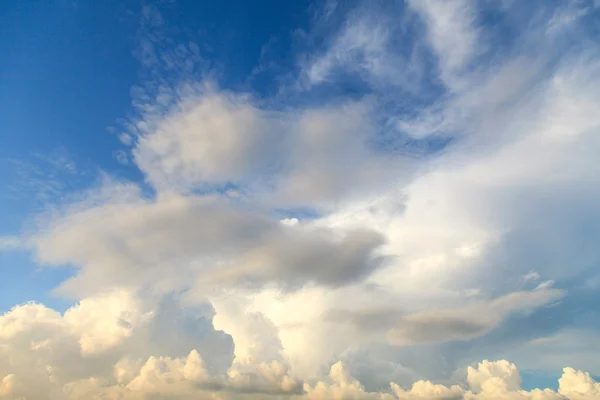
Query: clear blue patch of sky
[(65, 77), (248, 44), (24, 281), (533, 379), (296, 212)]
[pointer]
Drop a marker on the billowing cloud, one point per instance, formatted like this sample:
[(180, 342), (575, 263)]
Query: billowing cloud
[(211, 138), (43, 356), (107, 344)]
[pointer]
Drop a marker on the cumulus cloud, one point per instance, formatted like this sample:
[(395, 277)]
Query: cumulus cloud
[(104, 345), (186, 378), (212, 138), (289, 158), (488, 380)]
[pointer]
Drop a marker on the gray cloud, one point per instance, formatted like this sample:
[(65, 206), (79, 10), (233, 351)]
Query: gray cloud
[(442, 325), (129, 240)]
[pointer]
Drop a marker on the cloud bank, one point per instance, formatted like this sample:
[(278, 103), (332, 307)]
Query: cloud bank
[(100, 348)]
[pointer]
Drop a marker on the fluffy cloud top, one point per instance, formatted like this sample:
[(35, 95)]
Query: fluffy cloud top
[(47, 355)]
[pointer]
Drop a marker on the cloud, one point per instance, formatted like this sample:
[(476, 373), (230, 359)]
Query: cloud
[(8, 243), (208, 139), (128, 240), (212, 137), (452, 33), (105, 321), (488, 380), (186, 377), (362, 47), (297, 260), (278, 247), (470, 321), (105, 345), (371, 47), (578, 385), (478, 201), (341, 386)]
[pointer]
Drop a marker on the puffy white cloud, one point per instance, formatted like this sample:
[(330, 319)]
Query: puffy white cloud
[(87, 353), (488, 372), (487, 381), (341, 386), (209, 138), (186, 378), (163, 375), (42, 356), (298, 157), (428, 391), (578, 385), (104, 321)]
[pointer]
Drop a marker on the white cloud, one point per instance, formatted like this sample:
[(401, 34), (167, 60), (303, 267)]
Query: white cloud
[(578, 385), (505, 176), (362, 46), (104, 321), (310, 156), (105, 345), (341, 386), (372, 45), (453, 34), (208, 139), (488, 380)]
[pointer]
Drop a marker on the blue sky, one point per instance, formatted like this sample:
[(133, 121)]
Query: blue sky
[(331, 195)]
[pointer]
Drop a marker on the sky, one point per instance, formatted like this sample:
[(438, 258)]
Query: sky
[(301, 200)]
